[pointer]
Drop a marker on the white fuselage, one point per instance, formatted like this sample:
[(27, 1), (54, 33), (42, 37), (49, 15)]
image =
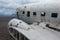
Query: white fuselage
[(50, 12)]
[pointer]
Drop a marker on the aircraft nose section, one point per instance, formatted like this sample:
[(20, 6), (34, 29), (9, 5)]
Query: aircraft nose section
[(13, 22), (19, 24)]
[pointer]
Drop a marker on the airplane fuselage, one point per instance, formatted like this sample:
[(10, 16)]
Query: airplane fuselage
[(49, 12)]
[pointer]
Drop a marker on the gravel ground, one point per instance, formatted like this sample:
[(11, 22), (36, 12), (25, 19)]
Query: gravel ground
[(4, 35)]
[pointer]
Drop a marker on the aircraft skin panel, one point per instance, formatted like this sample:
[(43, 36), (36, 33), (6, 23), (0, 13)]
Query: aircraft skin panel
[(34, 32), (41, 34)]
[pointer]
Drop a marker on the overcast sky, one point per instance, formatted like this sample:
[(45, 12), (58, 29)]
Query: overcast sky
[(9, 6)]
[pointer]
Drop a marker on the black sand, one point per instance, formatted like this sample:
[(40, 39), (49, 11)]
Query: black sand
[(4, 35)]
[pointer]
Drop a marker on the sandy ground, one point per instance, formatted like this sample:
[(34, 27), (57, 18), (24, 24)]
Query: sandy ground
[(4, 35)]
